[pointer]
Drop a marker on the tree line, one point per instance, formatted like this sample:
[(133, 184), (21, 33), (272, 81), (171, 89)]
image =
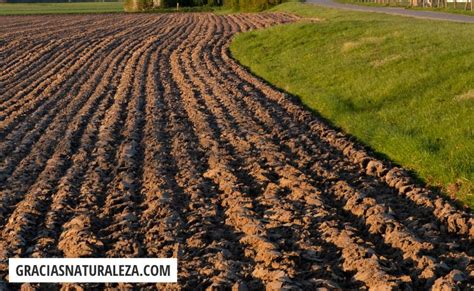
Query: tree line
[(236, 5)]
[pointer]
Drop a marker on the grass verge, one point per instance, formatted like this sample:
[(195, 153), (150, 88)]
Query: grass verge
[(449, 9), (406, 4), (60, 8), (403, 86), (373, 4)]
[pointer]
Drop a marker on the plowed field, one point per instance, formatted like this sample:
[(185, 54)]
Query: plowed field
[(139, 136)]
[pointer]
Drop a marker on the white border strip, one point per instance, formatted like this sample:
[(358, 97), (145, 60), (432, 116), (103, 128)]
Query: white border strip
[(93, 270)]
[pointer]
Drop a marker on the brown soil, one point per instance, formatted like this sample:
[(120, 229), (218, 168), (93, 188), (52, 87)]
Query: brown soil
[(139, 136)]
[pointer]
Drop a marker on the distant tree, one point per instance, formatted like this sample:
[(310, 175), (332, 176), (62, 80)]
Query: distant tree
[(137, 5), (251, 5)]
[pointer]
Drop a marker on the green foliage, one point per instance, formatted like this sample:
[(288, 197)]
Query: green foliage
[(232, 4), (137, 5), (251, 5), (403, 86)]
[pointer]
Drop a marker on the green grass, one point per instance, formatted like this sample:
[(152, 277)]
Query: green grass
[(373, 4), (403, 86), (406, 4), (60, 8), (459, 10)]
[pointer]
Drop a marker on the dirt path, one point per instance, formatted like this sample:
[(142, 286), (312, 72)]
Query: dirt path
[(432, 15), (138, 135)]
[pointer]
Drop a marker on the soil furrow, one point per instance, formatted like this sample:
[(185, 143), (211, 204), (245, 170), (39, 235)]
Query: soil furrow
[(65, 198), (53, 131), (43, 122), (92, 195), (32, 70), (265, 148), (38, 197), (218, 246)]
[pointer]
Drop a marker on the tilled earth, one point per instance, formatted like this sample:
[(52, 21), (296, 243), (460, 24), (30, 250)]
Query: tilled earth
[(139, 136)]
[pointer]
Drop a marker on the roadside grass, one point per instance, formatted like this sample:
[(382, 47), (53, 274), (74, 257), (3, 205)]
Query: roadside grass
[(373, 4), (406, 4), (403, 86), (60, 8), (450, 9)]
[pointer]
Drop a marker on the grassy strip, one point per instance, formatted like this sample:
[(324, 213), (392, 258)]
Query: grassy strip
[(403, 86), (406, 4), (373, 4), (60, 8), (458, 10)]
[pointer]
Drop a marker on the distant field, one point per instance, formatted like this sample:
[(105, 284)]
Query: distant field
[(403, 86), (60, 8)]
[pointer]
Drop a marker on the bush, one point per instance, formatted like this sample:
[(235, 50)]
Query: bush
[(251, 5), (137, 5)]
